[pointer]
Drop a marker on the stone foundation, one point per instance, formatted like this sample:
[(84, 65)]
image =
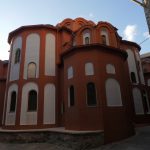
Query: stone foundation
[(72, 140)]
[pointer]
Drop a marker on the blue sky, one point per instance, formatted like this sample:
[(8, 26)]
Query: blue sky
[(125, 15)]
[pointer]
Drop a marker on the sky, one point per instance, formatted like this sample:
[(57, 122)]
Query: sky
[(128, 17)]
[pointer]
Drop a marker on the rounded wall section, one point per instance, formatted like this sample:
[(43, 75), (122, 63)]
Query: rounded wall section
[(89, 109), (15, 59)]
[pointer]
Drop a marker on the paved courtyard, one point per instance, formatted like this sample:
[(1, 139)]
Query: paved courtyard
[(141, 141)]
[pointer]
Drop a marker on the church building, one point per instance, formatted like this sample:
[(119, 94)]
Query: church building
[(79, 75)]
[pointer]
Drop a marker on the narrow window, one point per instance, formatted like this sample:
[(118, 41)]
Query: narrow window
[(86, 36), (17, 56), (32, 101), (133, 77), (104, 39), (91, 94), (145, 102), (70, 72), (87, 40), (104, 36), (31, 70), (71, 96), (13, 102)]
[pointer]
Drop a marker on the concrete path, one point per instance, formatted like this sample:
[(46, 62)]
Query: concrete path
[(141, 141)]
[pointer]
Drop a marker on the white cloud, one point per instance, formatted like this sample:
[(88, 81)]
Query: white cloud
[(146, 34), (130, 32)]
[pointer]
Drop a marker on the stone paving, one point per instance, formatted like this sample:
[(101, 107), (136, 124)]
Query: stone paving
[(141, 141)]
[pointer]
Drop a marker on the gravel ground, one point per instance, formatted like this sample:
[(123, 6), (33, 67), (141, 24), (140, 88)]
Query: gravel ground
[(141, 141)]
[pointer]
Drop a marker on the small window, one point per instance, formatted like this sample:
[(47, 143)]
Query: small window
[(87, 40), (70, 72), (91, 94), (32, 101), (89, 69), (110, 69), (32, 70), (13, 102), (104, 39), (17, 56), (86, 36), (133, 77), (71, 96), (145, 102), (104, 36)]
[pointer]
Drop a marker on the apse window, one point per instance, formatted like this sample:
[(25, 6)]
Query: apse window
[(104, 39), (17, 56), (13, 102), (71, 96), (91, 94), (104, 36), (86, 36), (32, 101), (87, 40), (31, 70)]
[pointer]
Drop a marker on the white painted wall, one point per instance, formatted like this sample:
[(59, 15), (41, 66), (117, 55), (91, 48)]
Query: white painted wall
[(141, 69), (15, 68), (113, 93), (132, 64), (70, 72), (110, 69), (11, 116), (50, 55), (89, 69), (28, 118), (105, 32), (49, 104), (32, 52), (137, 97)]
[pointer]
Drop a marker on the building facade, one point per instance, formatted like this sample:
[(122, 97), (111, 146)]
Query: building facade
[(77, 74)]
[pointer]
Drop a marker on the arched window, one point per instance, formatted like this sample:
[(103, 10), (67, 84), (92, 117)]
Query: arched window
[(113, 93), (17, 56), (31, 70), (137, 97), (145, 102), (104, 36), (87, 40), (89, 69), (104, 39), (71, 96), (70, 72), (32, 100), (13, 102), (133, 77), (86, 36), (110, 69), (91, 94)]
